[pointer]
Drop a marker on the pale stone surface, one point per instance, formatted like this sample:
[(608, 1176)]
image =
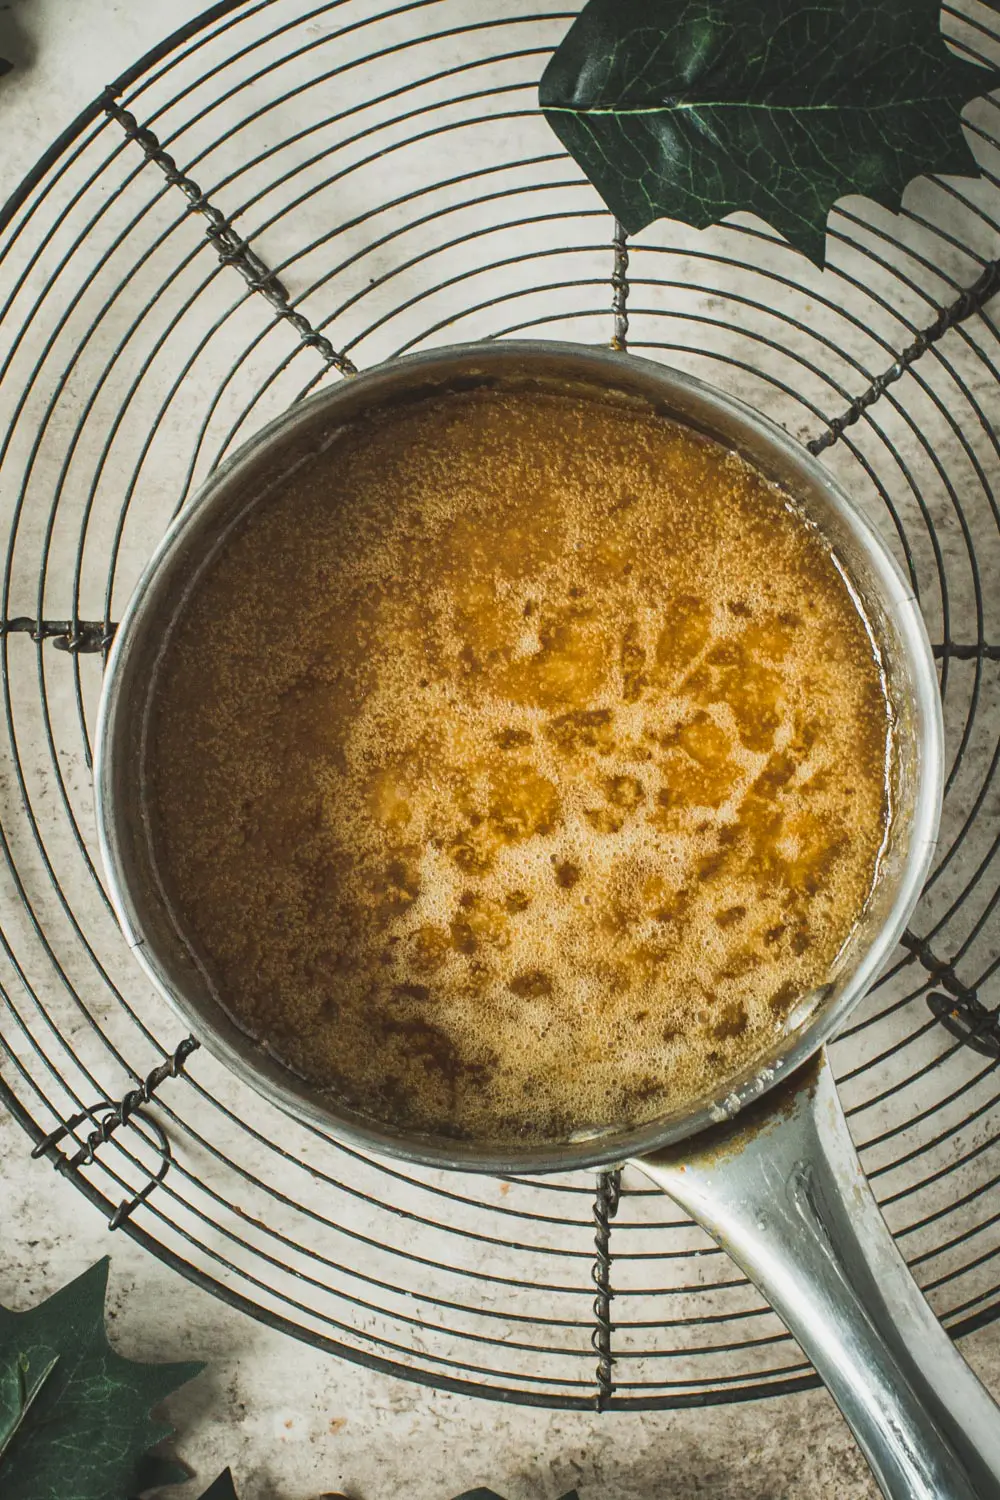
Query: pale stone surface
[(293, 1422)]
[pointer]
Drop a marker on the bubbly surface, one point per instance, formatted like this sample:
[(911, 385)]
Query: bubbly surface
[(519, 765)]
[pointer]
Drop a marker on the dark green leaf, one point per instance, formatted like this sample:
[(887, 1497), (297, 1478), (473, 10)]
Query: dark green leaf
[(153, 1471), (487, 1495), (695, 109), (77, 1411), (222, 1489)]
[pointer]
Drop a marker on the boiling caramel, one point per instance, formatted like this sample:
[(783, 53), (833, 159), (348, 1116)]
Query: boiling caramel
[(519, 765)]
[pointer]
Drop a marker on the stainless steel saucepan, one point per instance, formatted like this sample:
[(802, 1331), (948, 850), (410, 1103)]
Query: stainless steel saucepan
[(765, 1164)]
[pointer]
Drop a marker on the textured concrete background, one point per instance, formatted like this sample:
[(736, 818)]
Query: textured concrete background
[(292, 1422)]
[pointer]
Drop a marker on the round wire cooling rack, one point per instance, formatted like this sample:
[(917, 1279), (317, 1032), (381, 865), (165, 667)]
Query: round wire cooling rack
[(283, 192)]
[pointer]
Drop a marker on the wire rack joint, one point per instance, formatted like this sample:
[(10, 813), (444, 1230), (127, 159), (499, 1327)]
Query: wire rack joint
[(970, 301), (81, 636), (230, 246), (107, 1117), (606, 1202), (969, 1021), (960, 1010), (620, 288)]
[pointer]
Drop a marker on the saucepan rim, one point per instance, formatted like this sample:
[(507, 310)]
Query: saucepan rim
[(675, 393)]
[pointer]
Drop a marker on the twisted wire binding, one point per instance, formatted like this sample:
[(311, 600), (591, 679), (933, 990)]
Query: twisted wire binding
[(969, 1021), (971, 301), (960, 651), (606, 1203), (121, 1113), (77, 636), (230, 247), (111, 1117), (619, 283), (960, 1011), (940, 971)]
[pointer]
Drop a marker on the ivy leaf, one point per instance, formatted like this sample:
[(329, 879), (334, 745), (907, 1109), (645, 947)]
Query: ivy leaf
[(696, 109), (489, 1495), (222, 1489), (74, 1415)]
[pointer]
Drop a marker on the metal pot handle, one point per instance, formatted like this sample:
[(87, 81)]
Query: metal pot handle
[(782, 1191)]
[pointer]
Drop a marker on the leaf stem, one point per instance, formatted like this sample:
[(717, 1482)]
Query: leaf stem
[(677, 106)]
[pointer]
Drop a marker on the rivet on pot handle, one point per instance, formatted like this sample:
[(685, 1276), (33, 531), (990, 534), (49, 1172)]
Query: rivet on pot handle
[(782, 1191)]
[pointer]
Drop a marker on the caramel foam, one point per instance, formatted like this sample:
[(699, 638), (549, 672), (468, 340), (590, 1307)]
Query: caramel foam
[(519, 766)]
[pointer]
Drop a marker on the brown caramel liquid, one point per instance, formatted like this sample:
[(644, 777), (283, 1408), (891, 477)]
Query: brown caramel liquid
[(519, 766)]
